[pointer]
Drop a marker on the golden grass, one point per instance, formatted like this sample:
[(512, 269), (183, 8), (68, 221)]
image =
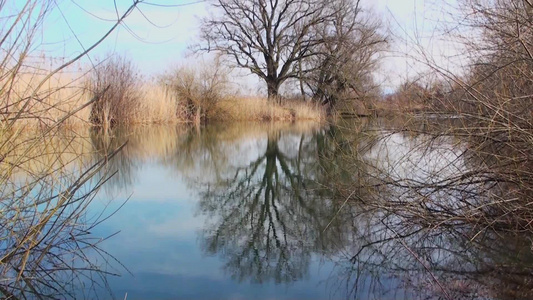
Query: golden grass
[(156, 106), (59, 95), (64, 92), (260, 109), (68, 90)]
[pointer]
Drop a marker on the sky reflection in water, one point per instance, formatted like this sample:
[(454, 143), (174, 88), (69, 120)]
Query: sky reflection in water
[(162, 226), (240, 212)]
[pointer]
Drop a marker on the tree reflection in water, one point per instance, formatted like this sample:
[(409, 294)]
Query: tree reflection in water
[(418, 222), (390, 209), (326, 193), (267, 219)]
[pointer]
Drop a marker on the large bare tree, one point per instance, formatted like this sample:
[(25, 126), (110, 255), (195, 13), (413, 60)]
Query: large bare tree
[(267, 37), (347, 56)]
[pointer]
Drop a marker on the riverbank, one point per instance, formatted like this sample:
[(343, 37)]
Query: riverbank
[(68, 97)]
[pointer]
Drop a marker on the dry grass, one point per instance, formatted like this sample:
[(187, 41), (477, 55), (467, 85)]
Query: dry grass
[(60, 95), (151, 101), (204, 93), (66, 91), (260, 109), (156, 106)]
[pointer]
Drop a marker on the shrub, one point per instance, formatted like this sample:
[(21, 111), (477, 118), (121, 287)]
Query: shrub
[(122, 97), (197, 90)]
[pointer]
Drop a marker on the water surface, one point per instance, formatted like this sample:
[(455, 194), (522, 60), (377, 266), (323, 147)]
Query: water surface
[(281, 211)]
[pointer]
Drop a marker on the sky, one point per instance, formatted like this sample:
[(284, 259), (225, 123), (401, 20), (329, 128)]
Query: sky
[(158, 37)]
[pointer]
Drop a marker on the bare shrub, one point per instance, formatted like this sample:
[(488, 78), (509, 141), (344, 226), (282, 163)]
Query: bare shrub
[(490, 102), (498, 86), (197, 90), (495, 97), (414, 96), (121, 81)]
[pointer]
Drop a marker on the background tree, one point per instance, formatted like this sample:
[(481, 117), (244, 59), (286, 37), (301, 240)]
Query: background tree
[(269, 38), (347, 56)]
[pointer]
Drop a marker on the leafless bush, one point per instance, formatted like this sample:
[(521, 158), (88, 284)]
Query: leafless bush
[(497, 85), (121, 99), (496, 103), (197, 90), (491, 120)]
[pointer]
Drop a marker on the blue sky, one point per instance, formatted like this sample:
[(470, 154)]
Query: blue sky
[(157, 38), (152, 36)]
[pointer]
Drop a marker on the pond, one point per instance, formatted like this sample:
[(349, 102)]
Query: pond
[(256, 211), (297, 211)]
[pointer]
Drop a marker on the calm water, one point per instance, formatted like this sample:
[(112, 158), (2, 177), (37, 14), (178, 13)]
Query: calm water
[(227, 213), (261, 211)]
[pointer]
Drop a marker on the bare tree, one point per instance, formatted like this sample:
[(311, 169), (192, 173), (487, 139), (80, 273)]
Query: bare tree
[(269, 38), (347, 56)]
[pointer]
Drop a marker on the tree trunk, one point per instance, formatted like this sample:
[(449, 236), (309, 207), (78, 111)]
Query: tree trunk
[(273, 90)]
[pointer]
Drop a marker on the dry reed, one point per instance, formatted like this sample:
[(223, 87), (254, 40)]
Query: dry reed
[(261, 109)]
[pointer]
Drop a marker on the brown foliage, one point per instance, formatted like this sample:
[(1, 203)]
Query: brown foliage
[(197, 90), (118, 77)]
